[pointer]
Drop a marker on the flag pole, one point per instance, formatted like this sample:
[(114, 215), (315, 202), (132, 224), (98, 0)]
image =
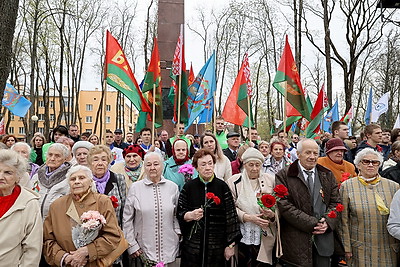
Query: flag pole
[(179, 97), (214, 115), (284, 110), (103, 131), (249, 116), (154, 114)]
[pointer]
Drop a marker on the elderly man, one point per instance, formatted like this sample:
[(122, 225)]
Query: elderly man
[(306, 233), (334, 150), (233, 140)]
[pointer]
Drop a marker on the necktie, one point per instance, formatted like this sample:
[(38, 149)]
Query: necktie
[(234, 154), (310, 182)]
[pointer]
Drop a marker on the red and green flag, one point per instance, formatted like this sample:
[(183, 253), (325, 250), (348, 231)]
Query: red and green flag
[(287, 82), (119, 74), (349, 116), (178, 71), (152, 79), (321, 105), (236, 109), (191, 75)]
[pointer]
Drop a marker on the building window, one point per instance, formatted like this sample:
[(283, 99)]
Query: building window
[(21, 118), (52, 117), (41, 130), (89, 119), (41, 117), (108, 107), (12, 117), (51, 104), (89, 130), (21, 130), (108, 119), (89, 107), (41, 104), (11, 130)]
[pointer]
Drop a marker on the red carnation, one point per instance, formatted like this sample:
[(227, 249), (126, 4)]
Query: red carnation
[(217, 200), (281, 191), (339, 207), (345, 176), (114, 201), (268, 200), (210, 195), (332, 214)]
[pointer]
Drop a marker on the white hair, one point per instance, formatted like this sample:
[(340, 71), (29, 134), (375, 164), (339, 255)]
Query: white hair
[(149, 154), (85, 170), (26, 145), (367, 151), (60, 147), (302, 141), (14, 159)]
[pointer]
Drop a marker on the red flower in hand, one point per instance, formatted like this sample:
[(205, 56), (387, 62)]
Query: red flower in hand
[(268, 200), (345, 176), (332, 214), (210, 195), (339, 207), (114, 201), (281, 191), (217, 200)]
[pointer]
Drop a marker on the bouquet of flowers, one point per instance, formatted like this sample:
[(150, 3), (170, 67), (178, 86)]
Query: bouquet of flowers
[(85, 233), (187, 170), (211, 198), (149, 263), (268, 201)]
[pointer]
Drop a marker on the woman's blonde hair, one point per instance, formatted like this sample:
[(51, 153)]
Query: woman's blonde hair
[(98, 149)]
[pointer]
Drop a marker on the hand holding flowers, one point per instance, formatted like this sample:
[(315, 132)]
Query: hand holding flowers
[(187, 170), (85, 233)]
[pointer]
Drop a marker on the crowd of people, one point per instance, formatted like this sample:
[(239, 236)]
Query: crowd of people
[(210, 199)]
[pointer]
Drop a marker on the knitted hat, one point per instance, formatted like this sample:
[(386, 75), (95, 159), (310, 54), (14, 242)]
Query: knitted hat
[(80, 144), (252, 154), (134, 149), (334, 144)]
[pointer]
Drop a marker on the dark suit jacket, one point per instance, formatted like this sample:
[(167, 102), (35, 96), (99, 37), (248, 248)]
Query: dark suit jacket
[(229, 154), (300, 213)]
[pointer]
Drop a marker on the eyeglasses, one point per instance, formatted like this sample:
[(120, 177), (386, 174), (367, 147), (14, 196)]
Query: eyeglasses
[(368, 162)]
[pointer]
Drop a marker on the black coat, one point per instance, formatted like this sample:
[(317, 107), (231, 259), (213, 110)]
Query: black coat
[(219, 226), (392, 173), (228, 153)]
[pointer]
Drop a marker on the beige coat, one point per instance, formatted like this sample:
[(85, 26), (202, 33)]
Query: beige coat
[(223, 168), (21, 232), (267, 184), (57, 229)]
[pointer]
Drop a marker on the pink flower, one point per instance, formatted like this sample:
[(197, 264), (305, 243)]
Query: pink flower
[(160, 264)]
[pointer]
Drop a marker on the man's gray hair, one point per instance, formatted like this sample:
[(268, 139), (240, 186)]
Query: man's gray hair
[(368, 151), (60, 147), (26, 145), (302, 141)]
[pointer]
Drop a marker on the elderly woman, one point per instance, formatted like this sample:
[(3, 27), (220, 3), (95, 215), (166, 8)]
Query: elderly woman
[(107, 182), (218, 226), (24, 150), (57, 132), (366, 201), (68, 142), (80, 150), (50, 180), (20, 221), (37, 142), (131, 168), (65, 213), (223, 169), (94, 139), (277, 160), (180, 156), (9, 140), (254, 247), (149, 223)]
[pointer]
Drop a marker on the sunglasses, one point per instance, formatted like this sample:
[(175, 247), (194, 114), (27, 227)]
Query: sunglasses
[(368, 162)]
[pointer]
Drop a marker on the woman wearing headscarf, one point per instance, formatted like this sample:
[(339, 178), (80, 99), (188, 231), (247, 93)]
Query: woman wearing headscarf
[(80, 151), (50, 180), (132, 167), (180, 156), (277, 160), (20, 221), (107, 182), (366, 200), (149, 221), (258, 227), (223, 169), (66, 212), (218, 227)]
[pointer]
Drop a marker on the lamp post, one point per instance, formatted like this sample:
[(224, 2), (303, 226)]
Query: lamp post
[(130, 127), (35, 119)]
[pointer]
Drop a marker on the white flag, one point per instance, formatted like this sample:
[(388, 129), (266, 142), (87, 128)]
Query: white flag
[(397, 123), (380, 107), (278, 123)]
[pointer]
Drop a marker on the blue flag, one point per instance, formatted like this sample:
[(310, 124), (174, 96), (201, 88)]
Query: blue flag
[(331, 116), (15, 103), (201, 93), (367, 116)]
